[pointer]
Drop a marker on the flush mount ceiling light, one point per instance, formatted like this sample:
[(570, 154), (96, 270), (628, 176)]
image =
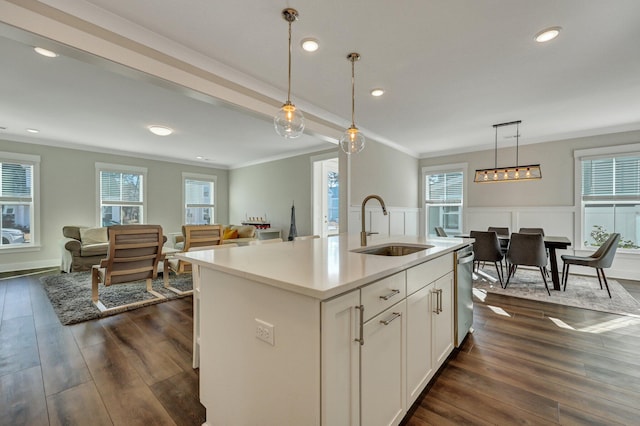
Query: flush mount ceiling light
[(289, 121), (44, 52), (547, 34), (33, 130), (377, 92), (309, 44), (160, 130), (352, 141), (508, 174)]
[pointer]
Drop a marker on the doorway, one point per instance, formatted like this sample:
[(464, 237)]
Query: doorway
[(326, 197)]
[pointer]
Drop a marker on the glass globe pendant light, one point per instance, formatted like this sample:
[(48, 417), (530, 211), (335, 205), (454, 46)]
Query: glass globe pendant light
[(289, 121), (352, 141)]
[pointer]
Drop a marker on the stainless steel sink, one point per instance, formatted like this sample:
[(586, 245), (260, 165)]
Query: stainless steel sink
[(393, 249)]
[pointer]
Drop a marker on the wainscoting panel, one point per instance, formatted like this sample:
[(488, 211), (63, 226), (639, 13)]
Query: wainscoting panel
[(399, 221)]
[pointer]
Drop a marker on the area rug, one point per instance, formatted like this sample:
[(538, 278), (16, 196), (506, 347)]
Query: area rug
[(70, 294), (582, 292)]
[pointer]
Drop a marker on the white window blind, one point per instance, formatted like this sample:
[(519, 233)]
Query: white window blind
[(444, 188), (615, 178)]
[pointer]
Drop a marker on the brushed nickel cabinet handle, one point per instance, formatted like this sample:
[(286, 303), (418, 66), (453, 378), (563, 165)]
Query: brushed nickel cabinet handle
[(393, 316), (361, 338), (435, 299), (390, 295)]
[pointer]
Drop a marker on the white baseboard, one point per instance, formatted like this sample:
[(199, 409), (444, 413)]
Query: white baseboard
[(25, 266)]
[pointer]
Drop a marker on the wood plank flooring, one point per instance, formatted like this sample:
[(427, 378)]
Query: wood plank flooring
[(526, 363)]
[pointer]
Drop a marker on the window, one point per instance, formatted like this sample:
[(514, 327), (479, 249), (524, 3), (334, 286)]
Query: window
[(199, 199), (18, 194), (610, 199), (121, 194), (444, 198)]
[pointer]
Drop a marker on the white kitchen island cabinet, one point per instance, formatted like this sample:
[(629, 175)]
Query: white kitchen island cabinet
[(311, 333)]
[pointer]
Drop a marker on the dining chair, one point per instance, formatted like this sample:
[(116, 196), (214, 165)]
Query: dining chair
[(536, 231), (487, 249), (602, 258), (527, 250), (502, 232), (440, 232), (133, 255)]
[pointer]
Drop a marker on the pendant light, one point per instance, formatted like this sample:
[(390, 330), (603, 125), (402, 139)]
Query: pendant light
[(289, 121), (352, 141), (515, 173)]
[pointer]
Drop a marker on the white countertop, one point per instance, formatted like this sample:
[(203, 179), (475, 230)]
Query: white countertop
[(321, 268)]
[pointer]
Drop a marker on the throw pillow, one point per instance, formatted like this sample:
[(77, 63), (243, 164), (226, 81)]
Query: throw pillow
[(246, 231), (93, 235), (230, 234)]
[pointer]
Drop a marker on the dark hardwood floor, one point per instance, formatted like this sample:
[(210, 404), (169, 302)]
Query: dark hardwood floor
[(526, 363)]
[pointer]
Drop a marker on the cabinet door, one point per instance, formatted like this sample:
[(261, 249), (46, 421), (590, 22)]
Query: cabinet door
[(340, 393), (383, 391), (419, 356), (443, 320)]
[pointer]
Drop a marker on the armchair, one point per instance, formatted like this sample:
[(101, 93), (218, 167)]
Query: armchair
[(133, 255)]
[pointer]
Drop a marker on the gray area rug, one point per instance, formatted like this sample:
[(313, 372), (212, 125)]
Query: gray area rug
[(70, 294), (582, 291)]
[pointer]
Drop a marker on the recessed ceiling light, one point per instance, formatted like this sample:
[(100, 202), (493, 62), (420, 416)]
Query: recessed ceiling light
[(310, 44), (33, 130), (44, 52), (160, 130), (377, 92), (547, 34)]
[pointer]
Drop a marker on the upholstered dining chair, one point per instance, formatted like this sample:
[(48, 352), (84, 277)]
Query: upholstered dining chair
[(133, 255), (440, 232), (487, 249), (527, 250), (602, 258), (502, 232), (536, 231)]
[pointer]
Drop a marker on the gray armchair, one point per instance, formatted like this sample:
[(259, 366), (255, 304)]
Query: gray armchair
[(602, 258)]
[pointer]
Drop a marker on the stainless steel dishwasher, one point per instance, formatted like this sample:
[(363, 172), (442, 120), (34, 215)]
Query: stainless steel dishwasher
[(463, 292)]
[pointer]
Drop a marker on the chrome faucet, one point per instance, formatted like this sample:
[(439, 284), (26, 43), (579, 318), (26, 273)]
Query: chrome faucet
[(364, 234)]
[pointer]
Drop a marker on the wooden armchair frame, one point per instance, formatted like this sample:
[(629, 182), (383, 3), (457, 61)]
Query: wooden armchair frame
[(133, 255), (196, 237)]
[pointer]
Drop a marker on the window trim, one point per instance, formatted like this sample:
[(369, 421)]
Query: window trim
[(204, 178), (579, 155), (442, 168), (35, 236), (108, 167)]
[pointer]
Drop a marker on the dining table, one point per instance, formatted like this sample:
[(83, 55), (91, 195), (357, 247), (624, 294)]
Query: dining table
[(551, 243)]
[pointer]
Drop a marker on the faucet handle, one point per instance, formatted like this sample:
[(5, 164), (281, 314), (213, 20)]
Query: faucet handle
[(371, 233)]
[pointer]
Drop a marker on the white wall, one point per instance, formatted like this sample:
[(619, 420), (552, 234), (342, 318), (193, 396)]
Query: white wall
[(271, 188), (68, 196)]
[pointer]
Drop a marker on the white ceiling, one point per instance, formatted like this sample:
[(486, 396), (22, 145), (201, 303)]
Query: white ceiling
[(450, 69)]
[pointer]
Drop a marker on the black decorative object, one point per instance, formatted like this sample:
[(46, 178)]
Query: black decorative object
[(292, 229)]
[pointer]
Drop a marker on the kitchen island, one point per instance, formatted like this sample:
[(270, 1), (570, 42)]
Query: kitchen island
[(312, 332)]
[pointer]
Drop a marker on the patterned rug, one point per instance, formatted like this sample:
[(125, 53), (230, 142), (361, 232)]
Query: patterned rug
[(582, 291), (70, 294)]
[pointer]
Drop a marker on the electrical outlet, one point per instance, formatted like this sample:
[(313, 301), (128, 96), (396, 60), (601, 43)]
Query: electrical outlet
[(265, 332)]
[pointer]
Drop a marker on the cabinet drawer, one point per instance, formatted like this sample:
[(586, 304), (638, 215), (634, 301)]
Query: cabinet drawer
[(423, 274), (382, 294)]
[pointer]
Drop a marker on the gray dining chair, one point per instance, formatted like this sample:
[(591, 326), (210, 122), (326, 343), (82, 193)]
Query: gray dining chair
[(487, 249), (504, 232), (440, 232), (536, 231), (602, 258), (527, 250)]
